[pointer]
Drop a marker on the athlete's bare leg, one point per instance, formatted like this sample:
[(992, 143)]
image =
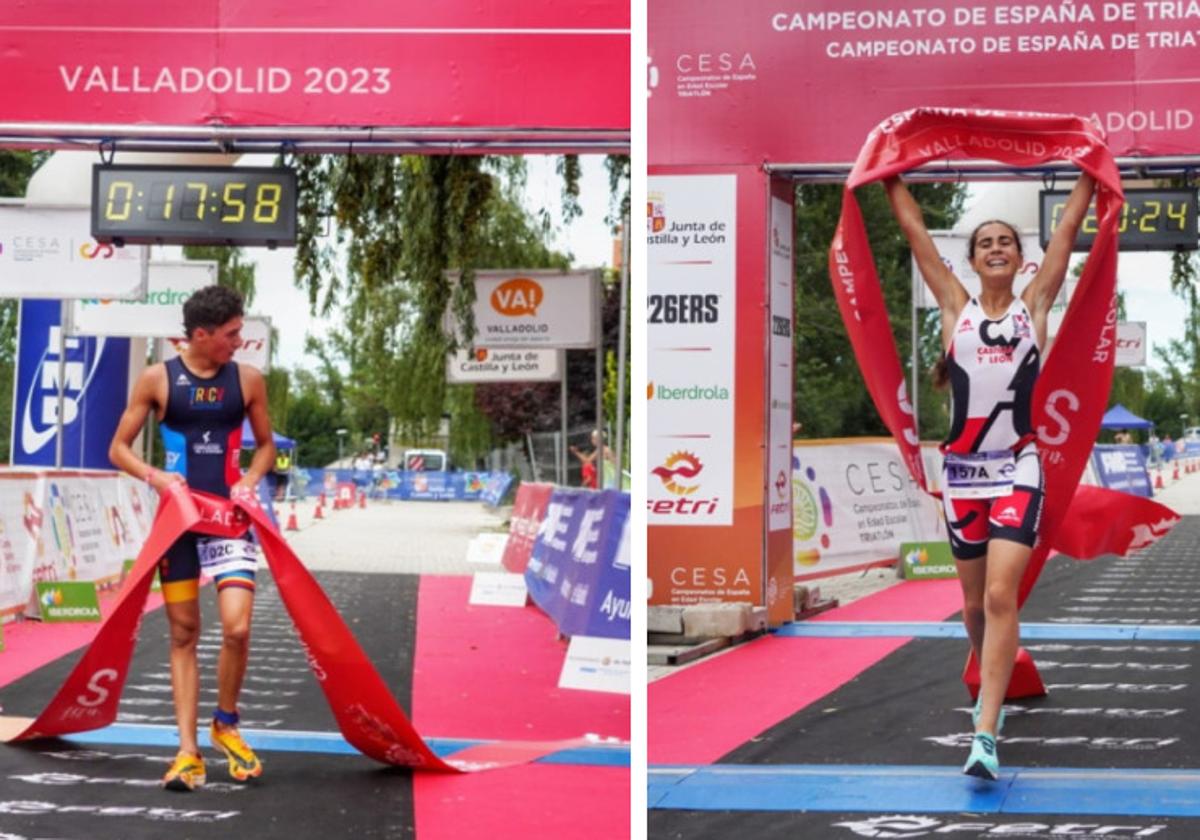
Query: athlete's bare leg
[(235, 606), (183, 617), (972, 577), (1006, 563)]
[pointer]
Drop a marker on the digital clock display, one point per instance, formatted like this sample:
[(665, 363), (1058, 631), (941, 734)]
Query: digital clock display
[(1150, 220), (153, 205)]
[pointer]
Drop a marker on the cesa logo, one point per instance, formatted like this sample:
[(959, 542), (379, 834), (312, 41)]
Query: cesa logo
[(518, 296), (96, 251)]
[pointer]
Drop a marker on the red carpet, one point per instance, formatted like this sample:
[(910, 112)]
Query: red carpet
[(492, 672), (28, 645), (536, 801), (700, 713)]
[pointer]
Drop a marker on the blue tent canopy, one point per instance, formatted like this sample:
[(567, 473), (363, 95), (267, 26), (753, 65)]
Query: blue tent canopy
[(1120, 417), (281, 442)]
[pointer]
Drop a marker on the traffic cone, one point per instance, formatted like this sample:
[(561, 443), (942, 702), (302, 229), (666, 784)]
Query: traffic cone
[(362, 500), (318, 513), (1158, 482), (1175, 475), (291, 523), (321, 500), (1025, 681)]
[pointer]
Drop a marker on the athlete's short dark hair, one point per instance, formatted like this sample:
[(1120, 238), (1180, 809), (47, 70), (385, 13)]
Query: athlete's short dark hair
[(210, 307)]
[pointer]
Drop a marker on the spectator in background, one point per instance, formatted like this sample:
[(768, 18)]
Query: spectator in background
[(1123, 436), (588, 461)]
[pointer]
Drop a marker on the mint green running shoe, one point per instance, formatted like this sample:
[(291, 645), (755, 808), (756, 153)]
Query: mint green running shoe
[(978, 710), (983, 762)]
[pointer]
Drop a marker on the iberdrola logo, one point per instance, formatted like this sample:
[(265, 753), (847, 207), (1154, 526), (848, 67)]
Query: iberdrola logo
[(812, 514), (52, 598)]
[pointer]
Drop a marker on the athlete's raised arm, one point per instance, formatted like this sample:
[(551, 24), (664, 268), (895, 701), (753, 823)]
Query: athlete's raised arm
[(1039, 295), (947, 290)]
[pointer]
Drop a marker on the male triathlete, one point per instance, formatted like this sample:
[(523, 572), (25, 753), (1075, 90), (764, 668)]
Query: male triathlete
[(200, 399)]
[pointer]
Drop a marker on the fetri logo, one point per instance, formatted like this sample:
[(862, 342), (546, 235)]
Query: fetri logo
[(781, 485), (518, 296), (677, 470), (96, 251)]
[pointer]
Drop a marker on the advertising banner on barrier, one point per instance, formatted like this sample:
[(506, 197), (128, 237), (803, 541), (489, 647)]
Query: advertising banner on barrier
[(854, 505), (67, 526), (157, 314), (1122, 467), (48, 252), (490, 365), (255, 350), (496, 487), (527, 513), (535, 309), (577, 574), (691, 311), (535, 64), (95, 374), (718, 71)]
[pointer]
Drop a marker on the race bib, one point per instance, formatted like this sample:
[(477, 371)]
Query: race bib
[(979, 475), (221, 556)]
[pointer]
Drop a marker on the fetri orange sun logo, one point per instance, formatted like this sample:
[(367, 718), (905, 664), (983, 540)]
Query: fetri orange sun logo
[(676, 472)]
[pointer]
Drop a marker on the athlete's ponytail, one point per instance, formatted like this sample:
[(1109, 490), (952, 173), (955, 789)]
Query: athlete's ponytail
[(941, 373)]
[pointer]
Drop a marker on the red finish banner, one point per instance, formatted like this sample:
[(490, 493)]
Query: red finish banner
[(366, 712), (539, 64), (529, 508), (798, 83), (1072, 390)]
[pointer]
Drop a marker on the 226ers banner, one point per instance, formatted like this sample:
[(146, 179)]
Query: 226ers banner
[(690, 334)]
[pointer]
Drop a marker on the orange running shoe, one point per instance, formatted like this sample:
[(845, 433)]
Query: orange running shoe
[(243, 763), (186, 774)]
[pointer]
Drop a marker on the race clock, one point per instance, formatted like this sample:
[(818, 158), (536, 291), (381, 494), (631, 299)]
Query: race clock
[(133, 204), (1151, 220)]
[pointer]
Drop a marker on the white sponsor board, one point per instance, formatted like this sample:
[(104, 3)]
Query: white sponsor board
[(498, 589), (482, 364), (690, 334), (157, 314), (596, 664), (77, 526), (779, 485), (535, 309), (48, 252), (1131, 344), (255, 350), (854, 504), (487, 549)]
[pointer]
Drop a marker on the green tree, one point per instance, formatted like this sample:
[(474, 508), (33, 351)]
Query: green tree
[(831, 397), (408, 234)]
